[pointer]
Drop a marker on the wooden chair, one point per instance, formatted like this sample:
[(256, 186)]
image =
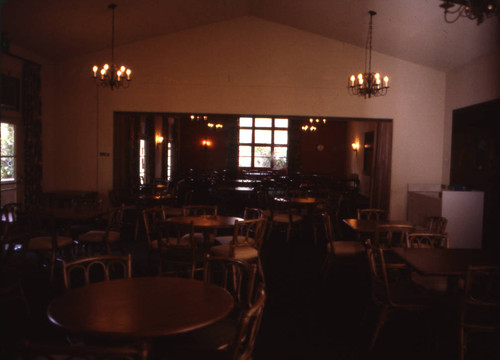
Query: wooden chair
[(252, 213), (88, 270), (392, 290), (246, 242), (103, 239), (480, 307), (14, 233), (46, 351), (153, 222), (197, 210), (337, 249), (436, 224), (285, 215), (392, 235), (436, 284), (238, 277), (372, 214), (228, 339), (45, 240), (427, 240), (169, 211), (179, 251)]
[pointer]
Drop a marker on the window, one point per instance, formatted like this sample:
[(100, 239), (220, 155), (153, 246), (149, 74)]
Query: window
[(169, 160), (8, 158), (142, 161), (263, 143)]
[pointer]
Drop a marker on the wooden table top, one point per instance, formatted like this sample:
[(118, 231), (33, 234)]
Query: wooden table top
[(370, 226), (206, 221), (141, 307), (299, 200), (450, 262)]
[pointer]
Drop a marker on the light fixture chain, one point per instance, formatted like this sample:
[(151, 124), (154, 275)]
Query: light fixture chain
[(112, 6)]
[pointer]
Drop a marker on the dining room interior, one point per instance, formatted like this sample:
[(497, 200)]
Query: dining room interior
[(355, 214)]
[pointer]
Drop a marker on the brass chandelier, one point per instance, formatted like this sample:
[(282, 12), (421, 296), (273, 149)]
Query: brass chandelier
[(368, 84), (112, 75), (472, 9)]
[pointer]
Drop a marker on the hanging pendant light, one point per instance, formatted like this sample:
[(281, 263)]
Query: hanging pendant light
[(472, 9), (112, 75), (368, 84)]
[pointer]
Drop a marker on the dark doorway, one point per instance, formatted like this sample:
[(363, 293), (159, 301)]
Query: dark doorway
[(475, 160)]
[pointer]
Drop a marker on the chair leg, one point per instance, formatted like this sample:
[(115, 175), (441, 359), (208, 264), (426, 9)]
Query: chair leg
[(380, 323)]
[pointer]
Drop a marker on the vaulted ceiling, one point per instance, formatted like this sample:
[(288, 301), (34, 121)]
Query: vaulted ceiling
[(407, 29)]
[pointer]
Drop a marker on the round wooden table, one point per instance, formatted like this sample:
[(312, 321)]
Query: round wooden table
[(141, 307)]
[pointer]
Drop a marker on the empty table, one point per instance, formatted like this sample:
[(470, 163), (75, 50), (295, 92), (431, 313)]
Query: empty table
[(141, 307)]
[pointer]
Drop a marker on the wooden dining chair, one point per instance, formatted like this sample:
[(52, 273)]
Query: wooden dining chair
[(230, 338), (102, 240), (390, 235), (246, 241), (180, 253), (435, 283), (392, 290), (45, 240), (480, 309), (337, 249), (88, 270), (436, 224), (372, 214), (285, 215)]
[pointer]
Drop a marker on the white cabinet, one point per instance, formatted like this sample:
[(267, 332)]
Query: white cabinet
[(463, 209)]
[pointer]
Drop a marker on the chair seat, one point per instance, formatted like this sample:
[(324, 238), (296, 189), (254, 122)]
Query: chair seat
[(42, 243), (96, 236), (346, 248), (438, 284), (285, 218), (240, 252), (225, 240)]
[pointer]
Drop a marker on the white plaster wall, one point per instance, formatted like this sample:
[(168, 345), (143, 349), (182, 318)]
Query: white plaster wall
[(246, 65), (473, 83)]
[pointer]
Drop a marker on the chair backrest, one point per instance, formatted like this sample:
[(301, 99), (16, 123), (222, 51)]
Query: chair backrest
[(384, 275), (153, 218), (482, 286), (45, 351), (178, 249), (427, 240), (371, 214), (238, 277), (436, 224), (328, 228), (249, 233), (394, 235), (253, 213), (196, 210), (88, 270), (248, 328)]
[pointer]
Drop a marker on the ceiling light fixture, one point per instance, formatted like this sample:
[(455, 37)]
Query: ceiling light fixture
[(368, 84), (110, 74), (472, 9), (312, 124)]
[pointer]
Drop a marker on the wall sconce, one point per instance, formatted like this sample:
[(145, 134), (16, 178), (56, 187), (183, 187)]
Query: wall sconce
[(158, 139), (206, 143), (355, 146)]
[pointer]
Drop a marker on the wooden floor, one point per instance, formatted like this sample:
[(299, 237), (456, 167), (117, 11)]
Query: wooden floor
[(306, 316)]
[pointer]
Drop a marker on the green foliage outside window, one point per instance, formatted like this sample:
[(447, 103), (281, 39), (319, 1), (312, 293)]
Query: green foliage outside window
[(8, 152)]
